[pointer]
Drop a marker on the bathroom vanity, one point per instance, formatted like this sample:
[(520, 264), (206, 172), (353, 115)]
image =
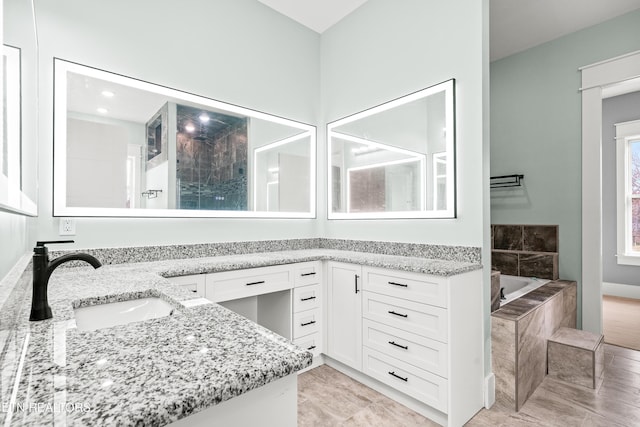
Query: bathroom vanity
[(205, 360), (406, 330)]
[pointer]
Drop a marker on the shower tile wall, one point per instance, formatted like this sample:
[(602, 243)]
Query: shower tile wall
[(211, 160), (525, 250)]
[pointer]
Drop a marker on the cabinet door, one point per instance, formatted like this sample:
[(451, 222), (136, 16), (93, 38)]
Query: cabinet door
[(344, 314)]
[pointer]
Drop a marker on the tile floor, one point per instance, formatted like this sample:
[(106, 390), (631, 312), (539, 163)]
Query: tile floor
[(329, 398)]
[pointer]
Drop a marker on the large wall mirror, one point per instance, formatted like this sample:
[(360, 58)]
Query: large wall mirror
[(396, 160), (125, 147), (19, 111)]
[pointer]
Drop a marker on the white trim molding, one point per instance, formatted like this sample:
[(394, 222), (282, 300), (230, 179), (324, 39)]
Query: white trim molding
[(595, 78), (621, 290)]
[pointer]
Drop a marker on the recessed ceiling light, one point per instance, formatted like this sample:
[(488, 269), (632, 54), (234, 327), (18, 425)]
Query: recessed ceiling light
[(102, 110), (108, 94), (189, 128), (204, 118)]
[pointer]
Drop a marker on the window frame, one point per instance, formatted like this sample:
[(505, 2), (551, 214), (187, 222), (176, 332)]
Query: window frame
[(626, 133)]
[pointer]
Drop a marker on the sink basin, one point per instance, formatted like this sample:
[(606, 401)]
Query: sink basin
[(120, 313)]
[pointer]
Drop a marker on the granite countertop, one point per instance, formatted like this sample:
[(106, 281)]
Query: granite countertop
[(161, 370), (144, 373), (182, 267)]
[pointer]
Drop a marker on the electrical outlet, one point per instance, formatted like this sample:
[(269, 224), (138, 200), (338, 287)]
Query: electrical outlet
[(67, 227)]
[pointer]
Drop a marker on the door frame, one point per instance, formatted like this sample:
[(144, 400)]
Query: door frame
[(597, 79)]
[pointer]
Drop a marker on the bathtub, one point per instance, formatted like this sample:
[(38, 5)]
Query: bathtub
[(514, 287)]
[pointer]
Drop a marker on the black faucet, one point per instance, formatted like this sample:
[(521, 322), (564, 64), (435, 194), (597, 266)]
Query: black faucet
[(42, 269)]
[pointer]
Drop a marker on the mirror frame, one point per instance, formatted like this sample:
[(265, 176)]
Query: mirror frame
[(448, 87), (61, 67), (12, 197)]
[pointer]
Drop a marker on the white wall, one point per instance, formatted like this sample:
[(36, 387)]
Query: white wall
[(386, 49), (240, 52), (96, 164)]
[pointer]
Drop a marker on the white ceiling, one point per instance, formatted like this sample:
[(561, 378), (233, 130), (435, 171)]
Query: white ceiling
[(516, 25), (315, 14)]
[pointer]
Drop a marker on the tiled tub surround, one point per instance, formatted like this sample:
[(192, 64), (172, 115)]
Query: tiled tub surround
[(519, 333), (125, 376), (525, 250)]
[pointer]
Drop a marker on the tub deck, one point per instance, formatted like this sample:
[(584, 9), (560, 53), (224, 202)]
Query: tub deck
[(523, 305)]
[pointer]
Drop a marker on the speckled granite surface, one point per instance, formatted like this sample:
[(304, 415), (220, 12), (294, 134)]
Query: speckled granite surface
[(173, 252), (172, 268), (144, 373), (155, 372)]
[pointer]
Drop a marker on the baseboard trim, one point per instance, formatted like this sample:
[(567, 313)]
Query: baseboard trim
[(489, 390), (620, 290)]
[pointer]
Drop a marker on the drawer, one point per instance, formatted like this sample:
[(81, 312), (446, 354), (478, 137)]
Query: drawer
[(193, 283), (307, 298), (422, 385), (420, 319), (245, 283), (415, 287), (312, 343), (416, 350), (307, 273), (306, 323)]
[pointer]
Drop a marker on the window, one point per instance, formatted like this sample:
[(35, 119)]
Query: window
[(628, 196)]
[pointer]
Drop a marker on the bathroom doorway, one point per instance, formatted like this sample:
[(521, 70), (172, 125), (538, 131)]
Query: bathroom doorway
[(621, 218), (602, 80)]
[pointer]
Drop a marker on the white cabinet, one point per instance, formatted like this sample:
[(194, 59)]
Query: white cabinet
[(231, 285), (422, 335), (193, 283), (262, 295), (419, 335), (411, 316), (409, 379), (308, 307), (344, 313), (307, 273)]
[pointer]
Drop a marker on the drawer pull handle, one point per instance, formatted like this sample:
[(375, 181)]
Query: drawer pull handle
[(307, 299), (406, 347), (398, 314), (356, 282), (393, 374), (404, 285), (311, 348), (308, 274), (195, 291), (255, 283), (308, 323)]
